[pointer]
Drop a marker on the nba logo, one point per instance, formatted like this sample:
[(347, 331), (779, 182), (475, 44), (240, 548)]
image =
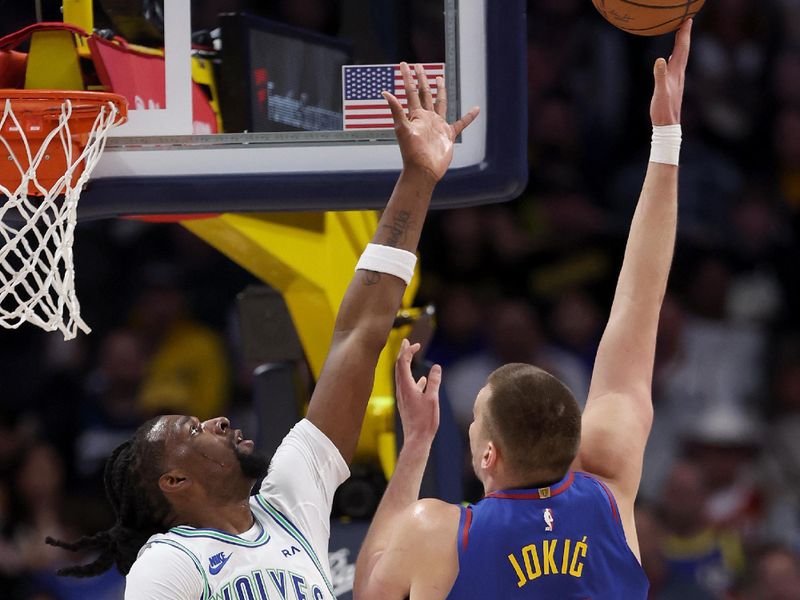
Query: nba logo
[(549, 520)]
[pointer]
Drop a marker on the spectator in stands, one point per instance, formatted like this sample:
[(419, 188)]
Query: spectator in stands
[(514, 335), (725, 443), (41, 508), (110, 412), (187, 368), (696, 552), (38, 506), (786, 144), (782, 453), (775, 575), (650, 532), (459, 328), (576, 325), (760, 242), (733, 48)]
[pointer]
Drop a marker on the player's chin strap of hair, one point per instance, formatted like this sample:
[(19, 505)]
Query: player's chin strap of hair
[(387, 259), (666, 145)]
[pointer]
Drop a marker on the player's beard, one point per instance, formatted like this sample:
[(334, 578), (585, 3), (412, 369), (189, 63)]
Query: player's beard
[(254, 464)]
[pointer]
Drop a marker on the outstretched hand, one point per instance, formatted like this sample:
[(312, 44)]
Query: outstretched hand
[(665, 108), (425, 137), (417, 401)]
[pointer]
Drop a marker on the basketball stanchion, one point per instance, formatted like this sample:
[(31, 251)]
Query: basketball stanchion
[(50, 141)]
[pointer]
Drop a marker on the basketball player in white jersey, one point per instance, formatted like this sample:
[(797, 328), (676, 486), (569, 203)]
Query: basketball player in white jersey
[(187, 527)]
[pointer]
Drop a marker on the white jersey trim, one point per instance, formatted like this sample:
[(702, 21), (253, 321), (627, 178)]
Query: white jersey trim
[(285, 524)]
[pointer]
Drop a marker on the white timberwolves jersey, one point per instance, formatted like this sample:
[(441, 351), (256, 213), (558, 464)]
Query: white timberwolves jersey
[(277, 563), (284, 556)]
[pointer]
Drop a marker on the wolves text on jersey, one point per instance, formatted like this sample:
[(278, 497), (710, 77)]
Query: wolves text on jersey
[(263, 584)]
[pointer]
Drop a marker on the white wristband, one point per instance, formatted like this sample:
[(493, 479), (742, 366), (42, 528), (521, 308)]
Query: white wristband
[(666, 146), (386, 259)]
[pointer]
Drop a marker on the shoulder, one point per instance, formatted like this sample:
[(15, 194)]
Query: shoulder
[(306, 436), (431, 510), (306, 453), (431, 520), (162, 549), (424, 547), (164, 567)]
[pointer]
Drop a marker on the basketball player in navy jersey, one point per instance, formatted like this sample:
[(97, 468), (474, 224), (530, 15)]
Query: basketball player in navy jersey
[(557, 518), (187, 526)]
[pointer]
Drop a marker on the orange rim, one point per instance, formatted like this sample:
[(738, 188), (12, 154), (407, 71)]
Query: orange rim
[(37, 113), (47, 102)]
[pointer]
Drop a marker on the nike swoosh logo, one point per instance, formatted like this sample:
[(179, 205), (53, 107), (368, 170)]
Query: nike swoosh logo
[(214, 569)]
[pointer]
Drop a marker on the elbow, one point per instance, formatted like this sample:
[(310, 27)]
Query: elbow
[(646, 418), (370, 336), (365, 566), (642, 405), (375, 338)]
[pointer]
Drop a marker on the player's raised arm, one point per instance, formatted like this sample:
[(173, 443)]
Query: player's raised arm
[(619, 411), (404, 553), (369, 306)]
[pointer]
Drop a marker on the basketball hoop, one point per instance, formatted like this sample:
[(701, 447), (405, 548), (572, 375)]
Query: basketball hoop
[(50, 141)]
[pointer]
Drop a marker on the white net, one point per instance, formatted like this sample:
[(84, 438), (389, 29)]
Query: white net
[(37, 275)]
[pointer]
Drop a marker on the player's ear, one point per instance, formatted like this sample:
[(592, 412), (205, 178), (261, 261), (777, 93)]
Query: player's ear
[(489, 458), (174, 481)]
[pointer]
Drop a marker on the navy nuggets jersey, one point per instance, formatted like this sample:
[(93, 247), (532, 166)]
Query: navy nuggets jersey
[(563, 542)]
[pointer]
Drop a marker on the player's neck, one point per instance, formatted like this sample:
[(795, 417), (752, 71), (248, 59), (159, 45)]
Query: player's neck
[(230, 516), (494, 483), (500, 482)]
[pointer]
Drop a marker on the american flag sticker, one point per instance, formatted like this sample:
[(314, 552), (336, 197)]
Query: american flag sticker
[(364, 107)]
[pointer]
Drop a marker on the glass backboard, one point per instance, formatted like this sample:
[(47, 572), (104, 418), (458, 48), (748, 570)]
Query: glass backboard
[(240, 105)]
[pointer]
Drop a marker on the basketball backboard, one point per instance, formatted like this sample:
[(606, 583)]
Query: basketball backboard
[(242, 111)]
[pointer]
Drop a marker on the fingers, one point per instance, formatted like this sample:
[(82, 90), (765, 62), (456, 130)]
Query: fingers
[(412, 94), (434, 380), (466, 120), (660, 69), (407, 351), (425, 96), (421, 383), (404, 358), (403, 345), (441, 98), (683, 42), (398, 114), (403, 379)]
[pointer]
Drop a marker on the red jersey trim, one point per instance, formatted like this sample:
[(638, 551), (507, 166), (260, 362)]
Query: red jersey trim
[(611, 501), (540, 494), (465, 532)]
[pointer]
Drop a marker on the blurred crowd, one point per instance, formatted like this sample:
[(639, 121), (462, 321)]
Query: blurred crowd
[(527, 281)]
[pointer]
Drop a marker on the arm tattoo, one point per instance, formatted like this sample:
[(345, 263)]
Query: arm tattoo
[(398, 228)]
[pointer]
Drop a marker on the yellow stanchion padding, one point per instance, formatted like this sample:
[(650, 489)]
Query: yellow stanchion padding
[(203, 74), (53, 62), (80, 13), (310, 258)]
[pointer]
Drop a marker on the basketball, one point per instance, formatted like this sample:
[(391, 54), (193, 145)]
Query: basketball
[(648, 17)]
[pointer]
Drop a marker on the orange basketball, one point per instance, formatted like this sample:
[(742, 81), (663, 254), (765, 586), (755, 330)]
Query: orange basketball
[(648, 17)]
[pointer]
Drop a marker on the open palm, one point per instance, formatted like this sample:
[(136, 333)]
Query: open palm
[(425, 137)]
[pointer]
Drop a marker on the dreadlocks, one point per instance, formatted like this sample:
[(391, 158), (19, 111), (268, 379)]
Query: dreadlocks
[(131, 481)]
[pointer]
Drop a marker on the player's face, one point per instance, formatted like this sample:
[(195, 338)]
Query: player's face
[(211, 447)]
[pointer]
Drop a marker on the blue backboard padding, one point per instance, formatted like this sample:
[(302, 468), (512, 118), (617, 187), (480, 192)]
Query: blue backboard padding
[(500, 177)]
